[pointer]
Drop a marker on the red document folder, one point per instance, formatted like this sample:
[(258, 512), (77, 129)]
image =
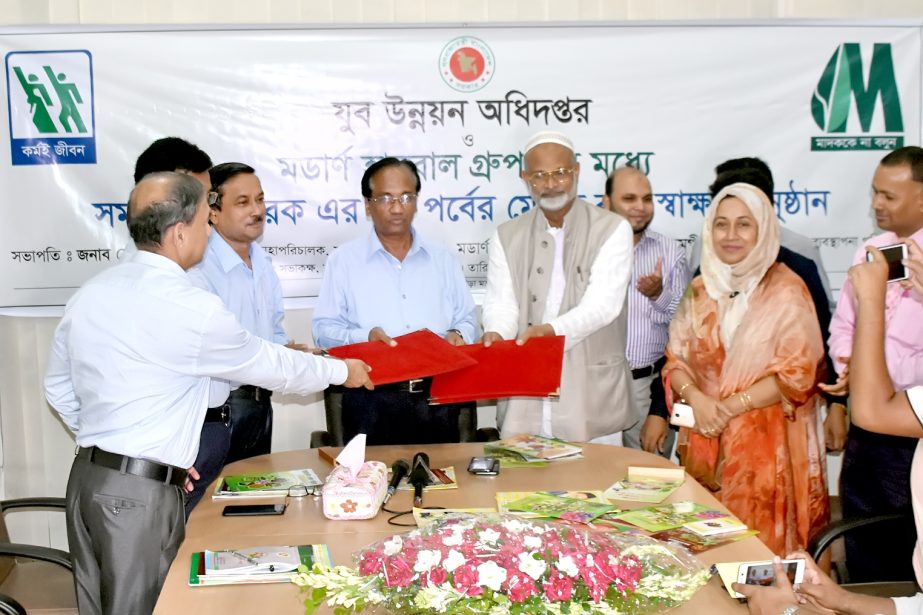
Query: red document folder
[(417, 355), (504, 370)]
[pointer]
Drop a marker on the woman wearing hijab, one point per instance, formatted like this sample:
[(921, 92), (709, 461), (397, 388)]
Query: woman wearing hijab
[(746, 353)]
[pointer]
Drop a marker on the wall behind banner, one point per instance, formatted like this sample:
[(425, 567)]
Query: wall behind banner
[(429, 11), (36, 450)]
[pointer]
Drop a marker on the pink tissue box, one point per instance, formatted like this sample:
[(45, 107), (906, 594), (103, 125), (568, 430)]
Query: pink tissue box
[(359, 498)]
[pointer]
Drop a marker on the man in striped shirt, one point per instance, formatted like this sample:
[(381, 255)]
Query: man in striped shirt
[(658, 280)]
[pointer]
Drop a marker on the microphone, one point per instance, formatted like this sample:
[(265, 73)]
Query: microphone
[(420, 476), (399, 470)]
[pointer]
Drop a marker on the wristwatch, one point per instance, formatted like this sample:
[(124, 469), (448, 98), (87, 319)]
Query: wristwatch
[(790, 610), (456, 332)]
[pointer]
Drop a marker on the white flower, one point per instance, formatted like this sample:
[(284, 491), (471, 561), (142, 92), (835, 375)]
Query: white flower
[(589, 560), (514, 525), (491, 575), (490, 535), (453, 560), (533, 542), (455, 538), (535, 568), (393, 546), (426, 559), (568, 566)]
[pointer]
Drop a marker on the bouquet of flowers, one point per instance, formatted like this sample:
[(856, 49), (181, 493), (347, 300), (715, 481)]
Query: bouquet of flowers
[(480, 564)]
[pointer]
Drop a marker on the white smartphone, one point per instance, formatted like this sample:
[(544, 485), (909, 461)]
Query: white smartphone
[(682, 415), (762, 573), (894, 254)]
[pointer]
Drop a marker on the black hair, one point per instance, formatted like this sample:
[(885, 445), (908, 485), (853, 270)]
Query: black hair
[(910, 155), (377, 166), (171, 154), (750, 170)]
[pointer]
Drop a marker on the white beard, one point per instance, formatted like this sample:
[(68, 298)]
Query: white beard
[(555, 203)]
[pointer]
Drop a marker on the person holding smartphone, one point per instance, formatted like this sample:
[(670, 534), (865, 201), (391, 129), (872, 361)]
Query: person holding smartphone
[(875, 478), (878, 408)]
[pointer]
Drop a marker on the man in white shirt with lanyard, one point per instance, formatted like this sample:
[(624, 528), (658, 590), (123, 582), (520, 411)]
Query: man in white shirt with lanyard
[(563, 269), (129, 373)]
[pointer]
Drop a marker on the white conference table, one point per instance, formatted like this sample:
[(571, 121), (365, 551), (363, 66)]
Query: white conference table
[(304, 522)]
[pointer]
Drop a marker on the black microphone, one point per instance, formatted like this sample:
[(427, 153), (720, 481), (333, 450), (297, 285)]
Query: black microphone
[(399, 470), (420, 476)]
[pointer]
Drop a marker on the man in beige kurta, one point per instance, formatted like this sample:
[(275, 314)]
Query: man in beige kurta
[(563, 269)]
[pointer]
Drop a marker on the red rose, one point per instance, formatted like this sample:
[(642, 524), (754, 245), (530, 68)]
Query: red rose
[(437, 575), (371, 563), (558, 587), (398, 572), (519, 587), (465, 579)]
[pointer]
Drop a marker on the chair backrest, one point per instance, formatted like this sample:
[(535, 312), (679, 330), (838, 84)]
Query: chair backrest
[(6, 563), (333, 409)]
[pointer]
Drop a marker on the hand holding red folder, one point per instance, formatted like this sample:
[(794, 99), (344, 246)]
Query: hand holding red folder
[(504, 369), (416, 355)]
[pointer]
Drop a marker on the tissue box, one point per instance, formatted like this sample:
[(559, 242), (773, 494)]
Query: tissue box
[(347, 498)]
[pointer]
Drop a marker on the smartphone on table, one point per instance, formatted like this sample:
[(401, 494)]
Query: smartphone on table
[(484, 466), (251, 510), (894, 254), (762, 573)]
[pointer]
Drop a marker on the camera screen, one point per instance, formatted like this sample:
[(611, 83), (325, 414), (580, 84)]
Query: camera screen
[(895, 266)]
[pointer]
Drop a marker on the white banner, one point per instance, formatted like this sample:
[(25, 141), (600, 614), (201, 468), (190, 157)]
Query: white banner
[(310, 109)]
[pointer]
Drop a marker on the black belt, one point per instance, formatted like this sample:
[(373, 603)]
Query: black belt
[(160, 472), (418, 385), (648, 370), (248, 391)]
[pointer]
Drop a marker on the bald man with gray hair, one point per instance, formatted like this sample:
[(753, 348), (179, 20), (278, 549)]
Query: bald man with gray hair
[(562, 269), (129, 371)]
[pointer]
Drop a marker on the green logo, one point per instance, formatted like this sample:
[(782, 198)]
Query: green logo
[(842, 83), (41, 104)]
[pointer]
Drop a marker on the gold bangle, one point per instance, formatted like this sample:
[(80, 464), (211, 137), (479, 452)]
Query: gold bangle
[(745, 401), (681, 389)]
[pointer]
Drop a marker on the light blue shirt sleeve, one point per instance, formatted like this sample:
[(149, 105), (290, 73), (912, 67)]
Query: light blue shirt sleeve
[(331, 326), (278, 311), (464, 316), (59, 388)]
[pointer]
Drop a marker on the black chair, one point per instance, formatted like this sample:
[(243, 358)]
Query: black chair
[(826, 536), (42, 583), (333, 436), (9, 606)]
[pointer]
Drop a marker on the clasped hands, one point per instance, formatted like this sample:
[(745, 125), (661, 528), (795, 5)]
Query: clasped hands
[(711, 415)]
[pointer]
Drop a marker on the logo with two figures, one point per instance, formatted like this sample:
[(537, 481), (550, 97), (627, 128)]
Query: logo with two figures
[(51, 110), (843, 83), (466, 64)]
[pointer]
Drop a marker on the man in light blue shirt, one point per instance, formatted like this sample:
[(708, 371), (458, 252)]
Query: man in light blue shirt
[(237, 269), (129, 374), (385, 284)]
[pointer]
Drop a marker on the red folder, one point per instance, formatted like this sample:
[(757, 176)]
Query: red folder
[(504, 370), (417, 355)]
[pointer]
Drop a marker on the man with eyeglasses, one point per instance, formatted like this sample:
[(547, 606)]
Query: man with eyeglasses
[(387, 283), (563, 269), (237, 269)]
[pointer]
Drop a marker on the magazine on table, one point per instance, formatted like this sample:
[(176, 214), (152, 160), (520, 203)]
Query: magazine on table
[(535, 447), (264, 484), (266, 564), (645, 484)]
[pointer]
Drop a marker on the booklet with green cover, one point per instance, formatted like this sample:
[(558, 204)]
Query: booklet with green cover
[(668, 516), (540, 504), (272, 564), (264, 484)]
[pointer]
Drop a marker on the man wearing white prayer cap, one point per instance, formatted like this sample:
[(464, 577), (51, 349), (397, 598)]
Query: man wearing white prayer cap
[(563, 269)]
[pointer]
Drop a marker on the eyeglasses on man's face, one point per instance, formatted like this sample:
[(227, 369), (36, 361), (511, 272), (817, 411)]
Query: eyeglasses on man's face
[(558, 176), (387, 200)]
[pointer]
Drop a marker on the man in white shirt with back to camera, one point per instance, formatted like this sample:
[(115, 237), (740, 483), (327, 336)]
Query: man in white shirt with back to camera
[(137, 430)]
